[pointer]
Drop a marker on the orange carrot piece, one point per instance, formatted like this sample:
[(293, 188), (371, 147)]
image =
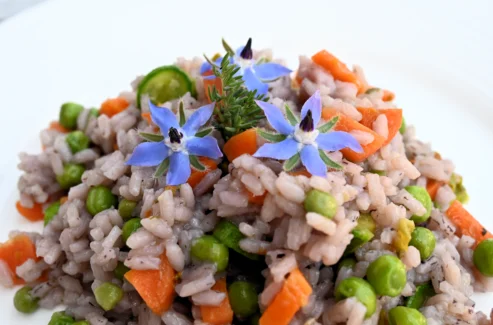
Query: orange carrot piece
[(387, 95), (63, 199), (244, 142), (337, 69), (394, 119), (432, 187), (292, 296), (113, 106), (54, 125), (465, 223), (196, 176), (32, 214), (211, 83), (218, 315), (156, 287), (15, 252), (347, 124), (147, 116), (256, 199)]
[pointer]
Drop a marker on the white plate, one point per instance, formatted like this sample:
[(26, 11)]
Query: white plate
[(435, 57)]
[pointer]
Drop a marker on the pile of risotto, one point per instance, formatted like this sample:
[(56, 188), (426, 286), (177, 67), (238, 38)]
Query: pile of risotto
[(233, 190)]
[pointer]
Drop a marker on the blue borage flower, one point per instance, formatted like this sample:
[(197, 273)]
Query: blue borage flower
[(179, 145), (255, 74), (302, 140)]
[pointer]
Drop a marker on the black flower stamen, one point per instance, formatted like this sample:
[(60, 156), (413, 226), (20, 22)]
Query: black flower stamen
[(174, 135), (247, 52), (307, 123)]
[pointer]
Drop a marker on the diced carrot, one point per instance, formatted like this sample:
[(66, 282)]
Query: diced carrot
[(394, 119), (115, 146), (432, 187), (32, 214), (211, 83), (155, 287), (54, 125), (196, 176), (218, 315), (63, 199), (387, 95), (292, 296), (15, 252), (148, 213), (347, 124), (146, 116), (437, 155), (465, 223), (244, 142), (256, 199), (337, 69), (113, 106)]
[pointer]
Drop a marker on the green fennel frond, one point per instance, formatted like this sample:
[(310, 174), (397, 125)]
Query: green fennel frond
[(236, 110)]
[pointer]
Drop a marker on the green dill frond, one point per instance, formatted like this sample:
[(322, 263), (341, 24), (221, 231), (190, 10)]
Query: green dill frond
[(236, 110)]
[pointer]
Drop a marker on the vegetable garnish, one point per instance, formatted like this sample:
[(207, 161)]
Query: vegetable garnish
[(236, 110), (179, 145), (303, 140), (256, 74)]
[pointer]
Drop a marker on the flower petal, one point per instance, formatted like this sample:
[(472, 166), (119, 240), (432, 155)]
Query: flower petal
[(163, 117), (270, 71), (205, 147), (179, 169), (197, 119), (281, 150), (310, 158), (314, 104), (337, 140), (252, 82), (206, 66), (275, 118), (148, 154)]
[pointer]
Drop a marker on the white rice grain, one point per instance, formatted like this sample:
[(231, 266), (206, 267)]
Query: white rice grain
[(321, 223)]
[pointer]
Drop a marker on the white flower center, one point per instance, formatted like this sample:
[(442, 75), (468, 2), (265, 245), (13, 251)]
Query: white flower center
[(174, 146), (244, 63), (305, 137)]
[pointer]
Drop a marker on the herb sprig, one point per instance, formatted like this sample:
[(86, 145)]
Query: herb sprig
[(236, 110)]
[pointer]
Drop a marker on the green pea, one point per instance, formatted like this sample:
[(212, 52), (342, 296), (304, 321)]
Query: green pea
[(69, 112), (424, 240), (378, 172), (82, 322), (24, 302), (420, 194), (77, 141), (120, 270), (99, 199), (320, 202), (423, 292), (387, 275), (401, 315), (483, 257), (130, 227), (208, 248), (346, 262), (51, 212), (108, 295), (243, 298), (94, 112), (363, 233), (402, 129), (126, 208), (361, 290), (72, 176), (60, 318)]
